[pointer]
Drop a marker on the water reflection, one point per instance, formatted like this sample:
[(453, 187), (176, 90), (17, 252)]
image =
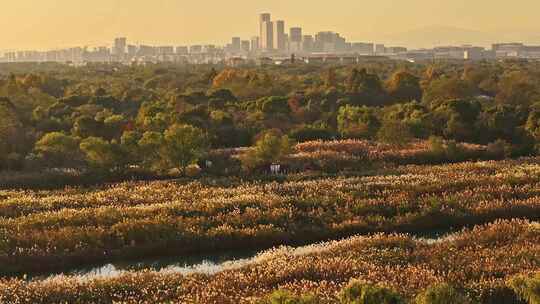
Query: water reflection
[(206, 264)]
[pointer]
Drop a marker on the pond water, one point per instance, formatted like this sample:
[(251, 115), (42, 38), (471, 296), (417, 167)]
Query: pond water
[(206, 264)]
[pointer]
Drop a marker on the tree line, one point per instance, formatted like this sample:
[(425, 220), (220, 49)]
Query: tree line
[(159, 117)]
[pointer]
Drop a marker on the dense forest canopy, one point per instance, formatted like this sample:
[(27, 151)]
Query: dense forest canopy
[(168, 116)]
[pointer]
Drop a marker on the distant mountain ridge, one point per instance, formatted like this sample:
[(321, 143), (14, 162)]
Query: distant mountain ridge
[(431, 36)]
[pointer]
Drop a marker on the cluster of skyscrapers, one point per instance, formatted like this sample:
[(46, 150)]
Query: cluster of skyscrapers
[(273, 45), (274, 39)]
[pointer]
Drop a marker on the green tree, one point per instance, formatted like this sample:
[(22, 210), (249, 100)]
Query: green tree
[(268, 149), (11, 129), (153, 116), (130, 145), (330, 78), (502, 121), (404, 86), (457, 119), (482, 78), (58, 149), (517, 88), (358, 122), (275, 105), (150, 149), (415, 116), (102, 154), (447, 88), (533, 124), (365, 88), (223, 94), (114, 126), (184, 145), (86, 126)]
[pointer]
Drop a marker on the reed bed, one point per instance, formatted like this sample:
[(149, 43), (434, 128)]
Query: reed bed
[(478, 262), (52, 230)]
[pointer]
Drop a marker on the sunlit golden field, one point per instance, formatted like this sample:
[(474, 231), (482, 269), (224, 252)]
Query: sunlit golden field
[(478, 262), (47, 230), (54, 230)]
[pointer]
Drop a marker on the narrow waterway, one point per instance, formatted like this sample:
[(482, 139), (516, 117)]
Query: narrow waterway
[(206, 264)]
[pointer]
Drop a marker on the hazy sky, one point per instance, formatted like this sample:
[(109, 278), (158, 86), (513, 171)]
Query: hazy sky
[(47, 24)]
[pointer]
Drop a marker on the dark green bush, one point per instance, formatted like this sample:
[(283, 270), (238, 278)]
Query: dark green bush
[(358, 292), (442, 294), (527, 287), (285, 297)]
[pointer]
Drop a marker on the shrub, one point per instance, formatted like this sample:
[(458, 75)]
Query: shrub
[(358, 292), (394, 133), (312, 132), (436, 145), (499, 149), (193, 171), (527, 288), (442, 294), (270, 148), (285, 297), (454, 151)]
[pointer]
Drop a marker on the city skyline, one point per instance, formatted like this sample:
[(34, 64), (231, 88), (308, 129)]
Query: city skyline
[(43, 24), (275, 42)]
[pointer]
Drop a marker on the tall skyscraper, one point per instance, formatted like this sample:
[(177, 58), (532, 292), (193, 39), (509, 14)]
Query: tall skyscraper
[(295, 39), (296, 34), (279, 35), (131, 50), (245, 46), (307, 43), (267, 36), (119, 48), (255, 43), (236, 44), (262, 19)]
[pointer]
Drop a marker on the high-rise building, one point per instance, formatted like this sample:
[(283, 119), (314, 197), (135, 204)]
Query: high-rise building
[(296, 34), (267, 36), (255, 43), (195, 49), (380, 49), (329, 42), (209, 49), (245, 46), (182, 50), (262, 19), (295, 39), (399, 49), (165, 50), (236, 44), (307, 43), (131, 50), (119, 48), (146, 50), (363, 48), (279, 35)]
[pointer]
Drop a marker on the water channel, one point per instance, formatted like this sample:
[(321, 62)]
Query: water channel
[(206, 264)]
